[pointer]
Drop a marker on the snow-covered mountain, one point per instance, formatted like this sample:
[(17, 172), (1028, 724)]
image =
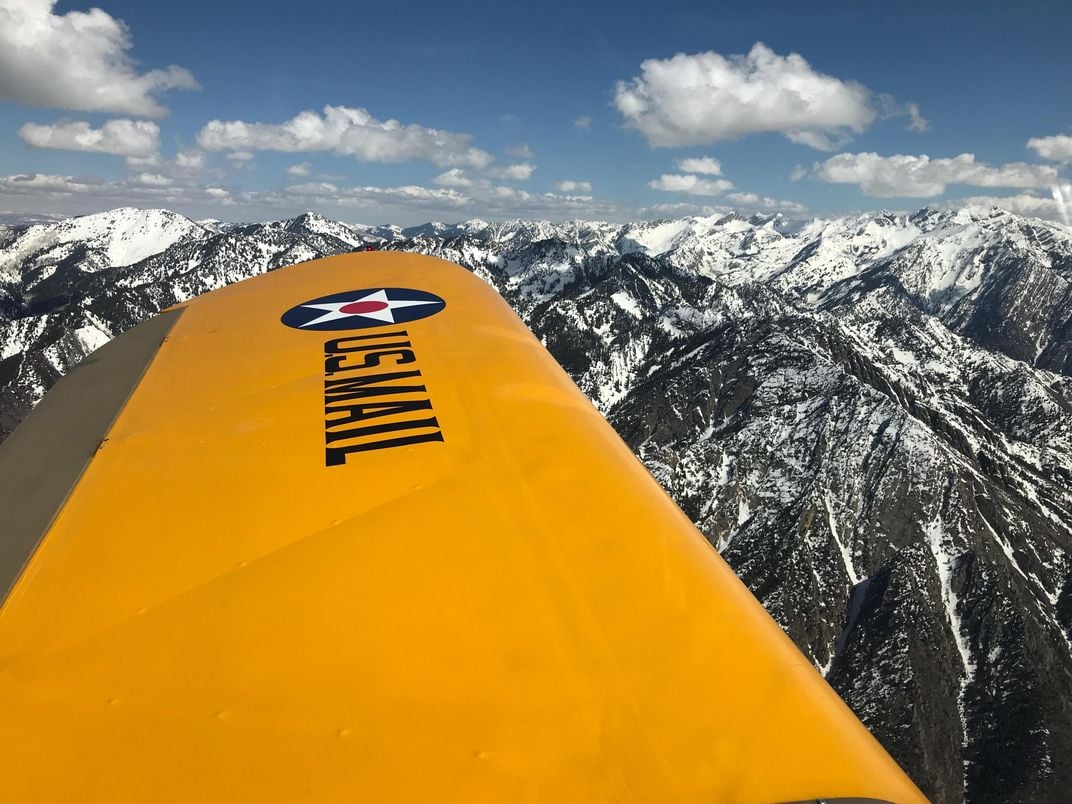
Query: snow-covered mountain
[(870, 417)]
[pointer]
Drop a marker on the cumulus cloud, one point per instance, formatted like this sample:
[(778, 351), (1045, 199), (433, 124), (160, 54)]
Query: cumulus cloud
[(151, 180), (1057, 148), (135, 138), (190, 160), (706, 97), (26, 183), (455, 177), (300, 169), (690, 184), (703, 164), (78, 60), (518, 172), (347, 131), (922, 177), (570, 186)]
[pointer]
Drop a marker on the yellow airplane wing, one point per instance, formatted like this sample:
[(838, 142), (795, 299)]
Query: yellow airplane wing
[(346, 532)]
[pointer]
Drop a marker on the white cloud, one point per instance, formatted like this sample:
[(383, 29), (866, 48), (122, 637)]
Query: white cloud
[(26, 183), (570, 186), (190, 160), (347, 131), (703, 164), (78, 60), (522, 151), (151, 180), (1057, 148), (240, 156), (690, 185), (300, 169), (703, 98), (584, 121), (518, 172), (134, 138), (921, 177), (455, 177)]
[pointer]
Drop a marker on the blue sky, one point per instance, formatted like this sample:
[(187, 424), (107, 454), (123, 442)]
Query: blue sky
[(555, 110)]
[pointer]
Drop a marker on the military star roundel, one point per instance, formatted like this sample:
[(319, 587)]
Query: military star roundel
[(359, 309)]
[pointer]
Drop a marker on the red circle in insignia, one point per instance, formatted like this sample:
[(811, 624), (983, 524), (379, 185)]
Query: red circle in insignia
[(359, 307)]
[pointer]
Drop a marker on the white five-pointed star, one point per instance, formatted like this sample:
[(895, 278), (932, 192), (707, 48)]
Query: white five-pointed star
[(373, 305)]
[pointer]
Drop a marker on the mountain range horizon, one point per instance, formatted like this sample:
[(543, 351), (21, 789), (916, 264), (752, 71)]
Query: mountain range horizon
[(868, 416)]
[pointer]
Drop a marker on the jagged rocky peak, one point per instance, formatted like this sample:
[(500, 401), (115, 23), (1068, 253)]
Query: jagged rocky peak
[(869, 416)]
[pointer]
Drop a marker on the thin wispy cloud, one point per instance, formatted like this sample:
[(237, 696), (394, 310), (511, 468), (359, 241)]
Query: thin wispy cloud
[(522, 151), (148, 189)]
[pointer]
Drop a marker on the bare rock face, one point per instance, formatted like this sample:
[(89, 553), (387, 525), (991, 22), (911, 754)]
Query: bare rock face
[(869, 417)]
